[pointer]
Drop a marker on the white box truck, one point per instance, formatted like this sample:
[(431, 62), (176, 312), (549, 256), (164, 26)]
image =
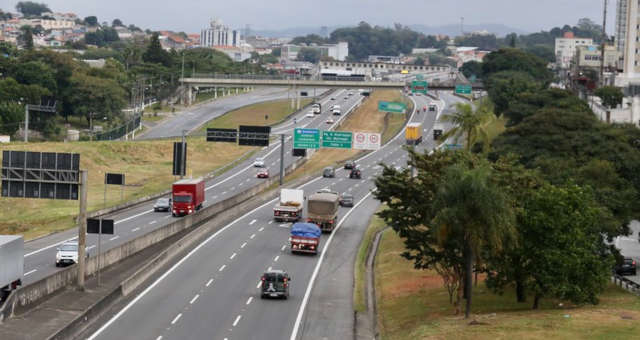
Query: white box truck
[(11, 263), (290, 206)]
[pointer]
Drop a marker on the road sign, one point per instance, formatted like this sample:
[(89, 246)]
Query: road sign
[(366, 141), (179, 160), (94, 227), (463, 89), (337, 139), (419, 86), (306, 138), (222, 135), (253, 135), (116, 179), (391, 107)]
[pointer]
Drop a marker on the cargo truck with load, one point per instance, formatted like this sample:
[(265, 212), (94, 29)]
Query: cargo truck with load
[(11, 264), (304, 238), (323, 210), (290, 206), (413, 133), (187, 196)]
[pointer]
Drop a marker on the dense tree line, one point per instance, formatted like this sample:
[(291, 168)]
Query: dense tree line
[(534, 207), (32, 9)]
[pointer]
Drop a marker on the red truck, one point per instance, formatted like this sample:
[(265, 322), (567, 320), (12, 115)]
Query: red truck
[(188, 196), (305, 238)]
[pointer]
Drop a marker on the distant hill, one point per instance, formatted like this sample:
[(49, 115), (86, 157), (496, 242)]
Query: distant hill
[(450, 30)]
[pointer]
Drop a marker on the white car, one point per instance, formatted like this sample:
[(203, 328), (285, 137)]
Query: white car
[(336, 112), (330, 121), (309, 115), (259, 162), (68, 254), (335, 107)]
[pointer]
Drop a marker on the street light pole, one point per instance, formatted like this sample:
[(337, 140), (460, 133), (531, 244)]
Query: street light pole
[(26, 123)]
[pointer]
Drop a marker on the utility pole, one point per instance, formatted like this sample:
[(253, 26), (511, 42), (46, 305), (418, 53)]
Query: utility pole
[(183, 156), (281, 159), (82, 229), (182, 77), (26, 123), (604, 39)]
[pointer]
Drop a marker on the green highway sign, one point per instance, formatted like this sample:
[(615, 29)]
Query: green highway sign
[(306, 139), (391, 107), (419, 77), (463, 89), (337, 139), (419, 86)]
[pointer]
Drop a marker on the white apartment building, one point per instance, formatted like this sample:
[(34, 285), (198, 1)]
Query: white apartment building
[(219, 35), (565, 48), (338, 51), (627, 41)]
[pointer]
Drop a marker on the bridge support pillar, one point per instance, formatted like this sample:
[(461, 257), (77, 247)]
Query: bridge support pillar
[(236, 90), (215, 92), (297, 100), (293, 98)]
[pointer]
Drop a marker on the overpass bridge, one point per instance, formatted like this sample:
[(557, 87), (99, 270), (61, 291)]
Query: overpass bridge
[(296, 82)]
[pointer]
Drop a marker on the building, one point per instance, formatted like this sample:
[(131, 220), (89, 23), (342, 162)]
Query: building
[(389, 59), (219, 35), (590, 56), (338, 51), (627, 35), (565, 48)]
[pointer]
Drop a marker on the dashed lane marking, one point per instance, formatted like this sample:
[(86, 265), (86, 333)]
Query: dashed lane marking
[(252, 222), (176, 319), (249, 300), (194, 299), (235, 323), (252, 236), (232, 256), (244, 244), (222, 268), (30, 272)]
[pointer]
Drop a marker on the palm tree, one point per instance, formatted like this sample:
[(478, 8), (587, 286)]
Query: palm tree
[(474, 123), (474, 212)]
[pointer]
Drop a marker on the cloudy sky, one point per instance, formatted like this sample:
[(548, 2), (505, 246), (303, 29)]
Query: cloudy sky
[(192, 15)]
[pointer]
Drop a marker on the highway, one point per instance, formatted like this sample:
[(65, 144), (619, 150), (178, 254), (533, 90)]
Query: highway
[(630, 247), (213, 292), (195, 117), (40, 254)]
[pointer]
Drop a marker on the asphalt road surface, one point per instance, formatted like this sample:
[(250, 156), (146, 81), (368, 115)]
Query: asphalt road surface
[(194, 118), (213, 292), (39, 260)]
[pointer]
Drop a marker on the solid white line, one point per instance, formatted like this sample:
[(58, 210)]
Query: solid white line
[(244, 244), (132, 217), (261, 229), (222, 268), (152, 222), (307, 293), (50, 246), (249, 300), (252, 236), (276, 259), (252, 222), (209, 282), (237, 320), (114, 238), (194, 299), (283, 247), (232, 256), (30, 272), (91, 247), (135, 229), (176, 319)]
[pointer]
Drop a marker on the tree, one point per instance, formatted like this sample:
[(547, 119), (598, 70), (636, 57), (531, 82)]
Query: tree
[(91, 21), (611, 96), (31, 9), (504, 87), (11, 114), (309, 39), (485, 42), (474, 211), (116, 22), (311, 55), (26, 37), (35, 73), (472, 68), (155, 54), (512, 59), (470, 122), (419, 61), (94, 96)]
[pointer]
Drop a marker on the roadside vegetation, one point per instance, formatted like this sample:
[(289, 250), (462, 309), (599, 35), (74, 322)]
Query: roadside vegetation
[(519, 218), (147, 166), (360, 279), (260, 114)]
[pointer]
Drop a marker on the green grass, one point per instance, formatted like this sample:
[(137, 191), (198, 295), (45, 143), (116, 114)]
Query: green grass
[(360, 289), (412, 304), (146, 164), (276, 111)]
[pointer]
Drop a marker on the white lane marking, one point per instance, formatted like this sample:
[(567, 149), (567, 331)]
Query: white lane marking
[(252, 222), (114, 238), (209, 282), (30, 272), (176, 319), (214, 197), (269, 269), (334, 183), (270, 222), (224, 192), (261, 229), (276, 259), (49, 247), (244, 244), (91, 247), (248, 179), (285, 225), (249, 300), (222, 268), (194, 299), (232, 256), (132, 217), (159, 337), (152, 222), (252, 236), (167, 216), (235, 323), (240, 184), (135, 229), (233, 188), (307, 293), (259, 284), (283, 247)]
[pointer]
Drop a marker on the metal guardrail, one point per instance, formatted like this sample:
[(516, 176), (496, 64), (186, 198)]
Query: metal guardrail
[(625, 283), (120, 131)]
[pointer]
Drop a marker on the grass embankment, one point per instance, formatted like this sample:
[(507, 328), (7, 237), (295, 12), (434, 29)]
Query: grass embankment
[(147, 166), (413, 304), (360, 289), (276, 110), (395, 121), (365, 118)]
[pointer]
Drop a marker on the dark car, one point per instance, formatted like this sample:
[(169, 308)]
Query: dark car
[(355, 173), (626, 267), (162, 204), (350, 164), (346, 200), (328, 172), (275, 283)]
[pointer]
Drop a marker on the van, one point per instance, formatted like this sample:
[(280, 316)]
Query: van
[(275, 283)]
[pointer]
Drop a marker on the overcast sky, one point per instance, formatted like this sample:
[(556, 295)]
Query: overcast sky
[(193, 15)]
